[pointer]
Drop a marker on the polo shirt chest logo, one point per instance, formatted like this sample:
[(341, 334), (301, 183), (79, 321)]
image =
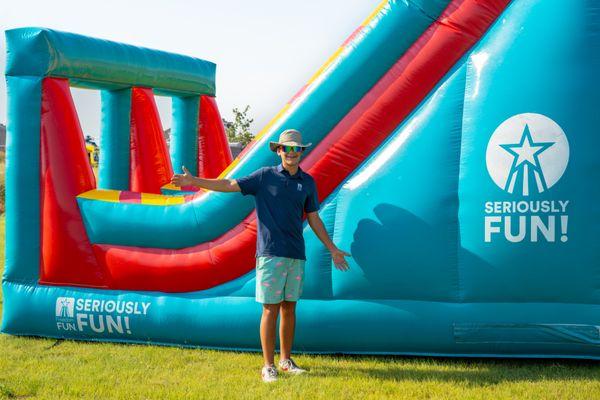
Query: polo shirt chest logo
[(299, 187)]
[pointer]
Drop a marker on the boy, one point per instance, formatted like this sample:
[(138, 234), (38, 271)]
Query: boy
[(282, 193)]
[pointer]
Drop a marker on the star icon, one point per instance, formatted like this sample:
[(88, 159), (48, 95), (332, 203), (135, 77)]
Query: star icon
[(526, 151)]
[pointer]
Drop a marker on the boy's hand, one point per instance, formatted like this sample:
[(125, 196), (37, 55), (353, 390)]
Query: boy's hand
[(187, 179), (339, 259)]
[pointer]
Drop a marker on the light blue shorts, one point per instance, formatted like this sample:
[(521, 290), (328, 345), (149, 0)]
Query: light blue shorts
[(278, 279)]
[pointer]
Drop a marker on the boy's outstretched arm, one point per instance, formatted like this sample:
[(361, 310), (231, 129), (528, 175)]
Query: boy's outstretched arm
[(217, 185), (339, 259)]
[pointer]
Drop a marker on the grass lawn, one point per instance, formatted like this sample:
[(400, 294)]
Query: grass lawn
[(59, 369)]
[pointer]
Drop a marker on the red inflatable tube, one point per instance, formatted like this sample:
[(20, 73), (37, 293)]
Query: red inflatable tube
[(397, 94), (214, 154), (155, 268), (381, 110), (66, 255), (150, 162)]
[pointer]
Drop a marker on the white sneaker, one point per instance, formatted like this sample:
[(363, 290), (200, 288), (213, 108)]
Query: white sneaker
[(290, 366), (269, 373)]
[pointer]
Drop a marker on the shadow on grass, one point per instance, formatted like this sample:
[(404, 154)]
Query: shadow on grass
[(467, 371)]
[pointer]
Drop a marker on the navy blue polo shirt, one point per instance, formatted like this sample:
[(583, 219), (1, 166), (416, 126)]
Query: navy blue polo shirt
[(280, 200)]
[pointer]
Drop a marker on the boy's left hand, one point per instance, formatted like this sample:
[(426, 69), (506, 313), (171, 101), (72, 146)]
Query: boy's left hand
[(339, 259)]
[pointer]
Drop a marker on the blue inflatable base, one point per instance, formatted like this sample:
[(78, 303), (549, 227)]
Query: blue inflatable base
[(398, 327)]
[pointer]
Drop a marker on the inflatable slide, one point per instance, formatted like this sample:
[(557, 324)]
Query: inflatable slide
[(455, 158)]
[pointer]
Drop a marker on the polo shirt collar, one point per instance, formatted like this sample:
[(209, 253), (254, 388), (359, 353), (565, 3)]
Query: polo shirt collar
[(299, 174)]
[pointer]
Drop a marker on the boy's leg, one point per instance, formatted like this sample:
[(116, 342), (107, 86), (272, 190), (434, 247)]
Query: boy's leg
[(269, 292), (292, 292), (287, 324), (268, 324)]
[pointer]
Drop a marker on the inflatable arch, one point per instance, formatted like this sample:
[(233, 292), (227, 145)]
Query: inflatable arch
[(456, 154)]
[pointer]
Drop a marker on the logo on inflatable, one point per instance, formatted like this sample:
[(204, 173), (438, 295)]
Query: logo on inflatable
[(101, 316), (65, 307), (528, 153)]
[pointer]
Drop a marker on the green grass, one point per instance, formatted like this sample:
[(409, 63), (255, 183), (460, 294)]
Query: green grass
[(61, 369)]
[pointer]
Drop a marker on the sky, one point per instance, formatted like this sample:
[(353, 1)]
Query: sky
[(265, 50)]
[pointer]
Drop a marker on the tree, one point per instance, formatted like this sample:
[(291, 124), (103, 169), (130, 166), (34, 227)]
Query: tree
[(238, 130)]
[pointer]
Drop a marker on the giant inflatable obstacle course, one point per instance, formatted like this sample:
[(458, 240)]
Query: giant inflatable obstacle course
[(456, 158)]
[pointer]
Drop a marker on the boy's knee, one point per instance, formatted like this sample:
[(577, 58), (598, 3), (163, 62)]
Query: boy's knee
[(288, 306), (270, 310)]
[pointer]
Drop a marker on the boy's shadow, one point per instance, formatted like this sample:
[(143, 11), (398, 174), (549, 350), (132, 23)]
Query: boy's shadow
[(402, 256)]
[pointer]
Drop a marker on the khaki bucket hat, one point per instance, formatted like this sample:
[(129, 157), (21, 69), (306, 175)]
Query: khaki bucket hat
[(289, 137)]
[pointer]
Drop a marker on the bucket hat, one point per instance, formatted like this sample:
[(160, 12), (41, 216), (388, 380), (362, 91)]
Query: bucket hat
[(289, 137)]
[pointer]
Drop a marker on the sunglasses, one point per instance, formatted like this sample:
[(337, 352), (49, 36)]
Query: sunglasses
[(287, 149)]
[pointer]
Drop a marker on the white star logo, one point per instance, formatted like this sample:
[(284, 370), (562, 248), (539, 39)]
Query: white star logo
[(526, 150), (526, 154)]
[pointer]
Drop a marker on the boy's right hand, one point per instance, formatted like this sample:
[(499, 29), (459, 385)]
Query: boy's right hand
[(185, 179)]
